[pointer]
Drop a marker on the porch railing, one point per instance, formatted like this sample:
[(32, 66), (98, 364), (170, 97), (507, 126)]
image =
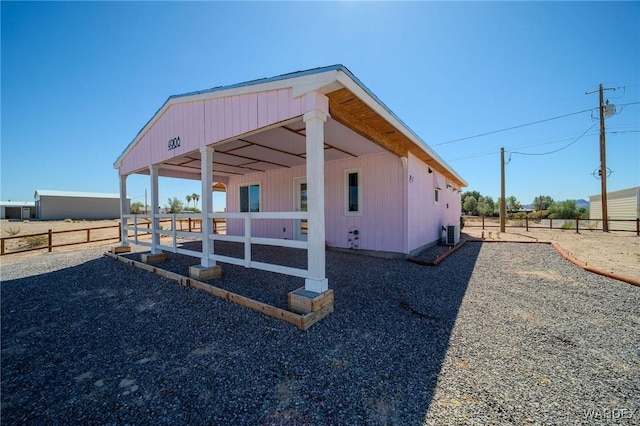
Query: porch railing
[(141, 226)]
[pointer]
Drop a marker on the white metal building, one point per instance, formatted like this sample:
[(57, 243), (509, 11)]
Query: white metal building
[(17, 210), (55, 205), (623, 204)]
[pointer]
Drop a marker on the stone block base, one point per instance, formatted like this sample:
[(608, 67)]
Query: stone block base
[(120, 249), (204, 273), (304, 301), (153, 258)]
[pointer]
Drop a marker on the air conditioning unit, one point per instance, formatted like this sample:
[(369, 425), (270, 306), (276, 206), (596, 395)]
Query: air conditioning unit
[(453, 235)]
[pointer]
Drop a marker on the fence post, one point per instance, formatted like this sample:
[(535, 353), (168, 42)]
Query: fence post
[(550, 223), (526, 222), (189, 224), (88, 234), (50, 240), (638, 227), (483, 223), (577, 225), (1, 246)]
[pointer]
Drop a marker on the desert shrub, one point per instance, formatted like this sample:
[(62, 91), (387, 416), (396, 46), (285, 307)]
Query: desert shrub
[(461, 223), (13, 230), (568, 225), (518, 222), (540, 214), (68, 220), (520, 215), (36, 241)]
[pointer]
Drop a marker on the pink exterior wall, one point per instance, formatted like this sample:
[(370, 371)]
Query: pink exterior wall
[(203, 122), (426, 218), (381, 225)]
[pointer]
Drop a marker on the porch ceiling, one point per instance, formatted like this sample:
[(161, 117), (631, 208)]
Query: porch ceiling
[(349, 110), (280, 147)]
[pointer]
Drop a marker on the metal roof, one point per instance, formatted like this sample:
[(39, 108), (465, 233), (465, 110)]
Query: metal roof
[(17, 204), (54, 193)]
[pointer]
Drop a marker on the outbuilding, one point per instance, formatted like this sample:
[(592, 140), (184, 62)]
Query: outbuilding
[(55, 205), (621, 205), (310, 159), (17, 210)]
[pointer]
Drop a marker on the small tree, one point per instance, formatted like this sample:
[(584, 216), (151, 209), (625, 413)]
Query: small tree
[(513, 205), (486, 206), (175, 205), (136, 208), (470, 204), (188, 197), (542, 202), (195, 197)]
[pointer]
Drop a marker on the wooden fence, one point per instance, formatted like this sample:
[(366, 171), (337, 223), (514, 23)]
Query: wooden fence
[(45, 240), (563, 224)]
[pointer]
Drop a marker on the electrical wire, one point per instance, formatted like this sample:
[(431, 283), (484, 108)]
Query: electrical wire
[(556, 150), (514, 127), (530, 124)]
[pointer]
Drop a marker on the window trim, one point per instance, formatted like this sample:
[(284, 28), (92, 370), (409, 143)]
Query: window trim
[(348, 172), (249, 184)]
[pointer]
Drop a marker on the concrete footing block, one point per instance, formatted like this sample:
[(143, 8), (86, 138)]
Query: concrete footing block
[(204, 273), (153, 258), (304, 301)]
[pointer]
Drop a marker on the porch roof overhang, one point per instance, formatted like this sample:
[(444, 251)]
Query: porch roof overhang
[(359, 124)]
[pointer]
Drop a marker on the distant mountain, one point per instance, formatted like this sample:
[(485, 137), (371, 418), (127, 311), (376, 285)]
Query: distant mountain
[(584, 204)]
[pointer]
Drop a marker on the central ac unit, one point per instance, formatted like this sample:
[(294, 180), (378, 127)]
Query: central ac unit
[(453, 235)]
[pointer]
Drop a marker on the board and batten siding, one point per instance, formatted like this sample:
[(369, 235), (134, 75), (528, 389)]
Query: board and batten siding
[(426, 217), (381, 224), (203, 122), (623, 204)]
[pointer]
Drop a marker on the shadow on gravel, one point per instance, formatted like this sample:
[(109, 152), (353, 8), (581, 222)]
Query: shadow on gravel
[(107, 343)]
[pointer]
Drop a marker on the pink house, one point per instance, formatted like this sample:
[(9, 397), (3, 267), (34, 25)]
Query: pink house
[(309, 159)]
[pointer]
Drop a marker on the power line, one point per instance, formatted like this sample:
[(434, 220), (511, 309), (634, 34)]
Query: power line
[(527, 124), (514, 127), (556, 150)]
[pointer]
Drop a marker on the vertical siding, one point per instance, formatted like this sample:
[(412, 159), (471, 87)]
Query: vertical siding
[(426, 218), (201, 123), (381, 224)]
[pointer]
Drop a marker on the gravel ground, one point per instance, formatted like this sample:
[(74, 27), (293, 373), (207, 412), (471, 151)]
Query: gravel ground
[(496, 334)]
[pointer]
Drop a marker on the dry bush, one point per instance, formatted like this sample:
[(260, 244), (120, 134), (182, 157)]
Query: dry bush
[(13, 230), (37, 241)]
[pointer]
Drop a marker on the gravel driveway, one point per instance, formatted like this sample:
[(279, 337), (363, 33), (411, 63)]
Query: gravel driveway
[(496, 334)]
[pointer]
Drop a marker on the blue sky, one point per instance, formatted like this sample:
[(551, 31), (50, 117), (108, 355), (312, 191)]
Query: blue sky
[(80, 79)]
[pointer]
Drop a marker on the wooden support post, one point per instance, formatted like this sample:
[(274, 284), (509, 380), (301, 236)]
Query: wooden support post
[(50, 240), (550, 223), (577, 225), (483, 223), (526, 222)]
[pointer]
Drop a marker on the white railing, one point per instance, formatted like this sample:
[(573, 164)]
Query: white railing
[(247, 239)]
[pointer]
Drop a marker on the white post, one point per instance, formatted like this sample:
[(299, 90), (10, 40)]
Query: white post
[(206, 176), (123, 210), (316, 280), (155, 237)]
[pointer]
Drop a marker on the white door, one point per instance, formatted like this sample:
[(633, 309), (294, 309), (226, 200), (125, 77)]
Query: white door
[(300, 200)]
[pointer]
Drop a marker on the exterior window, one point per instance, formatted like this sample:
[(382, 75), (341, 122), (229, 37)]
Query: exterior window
[(353, 199), (436, 196), (250, 198)]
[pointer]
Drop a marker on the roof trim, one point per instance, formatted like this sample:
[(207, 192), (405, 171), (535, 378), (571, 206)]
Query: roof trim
[(77, 194), (343, 76)]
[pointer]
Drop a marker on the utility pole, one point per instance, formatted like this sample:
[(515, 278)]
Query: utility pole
[(603, 165), (603, 160), (503, 202)]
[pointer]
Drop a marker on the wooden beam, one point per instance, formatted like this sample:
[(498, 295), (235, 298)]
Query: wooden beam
[(344, 117)]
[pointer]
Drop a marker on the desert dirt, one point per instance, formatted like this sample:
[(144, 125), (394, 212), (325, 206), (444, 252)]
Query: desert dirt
[(617, 252)]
